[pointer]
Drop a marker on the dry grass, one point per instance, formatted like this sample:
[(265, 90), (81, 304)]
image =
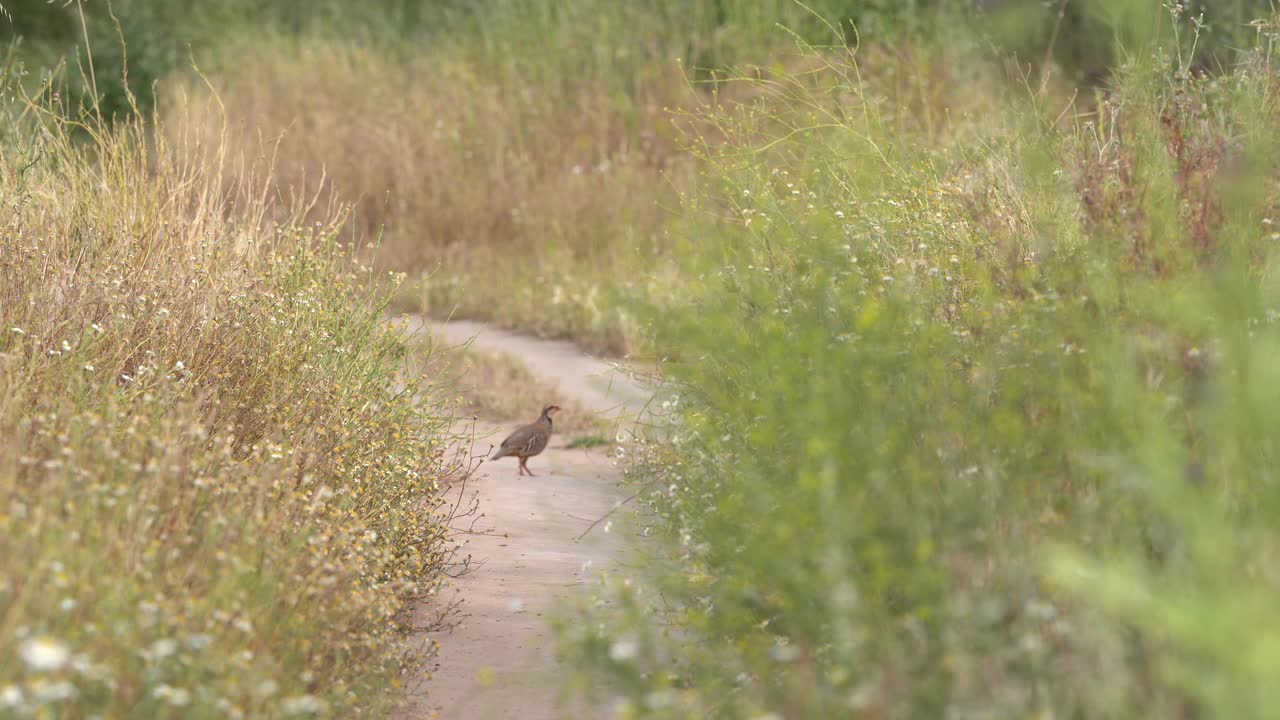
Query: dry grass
[(532, 200), (498, 388), (210, 502), (521, 187)]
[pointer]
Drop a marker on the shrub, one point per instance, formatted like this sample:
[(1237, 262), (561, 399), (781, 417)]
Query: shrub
[(213, 500), (968, 418)]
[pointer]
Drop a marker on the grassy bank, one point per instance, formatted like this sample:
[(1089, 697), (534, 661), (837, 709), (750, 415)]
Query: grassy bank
[(520, 185), (972, 411), (512, 205), (211, 502), (519, 161)]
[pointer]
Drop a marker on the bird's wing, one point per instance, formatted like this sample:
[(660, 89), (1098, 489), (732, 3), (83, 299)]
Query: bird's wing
[(511, 445), (519, 441), (538, 442)]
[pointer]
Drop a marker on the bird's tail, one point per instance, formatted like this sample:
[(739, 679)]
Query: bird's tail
[(497, 453)]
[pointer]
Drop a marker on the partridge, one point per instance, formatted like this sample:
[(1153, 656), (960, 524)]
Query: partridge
[(527, 440)]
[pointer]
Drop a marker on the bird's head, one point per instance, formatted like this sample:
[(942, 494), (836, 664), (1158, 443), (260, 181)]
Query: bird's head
[(546, 411)]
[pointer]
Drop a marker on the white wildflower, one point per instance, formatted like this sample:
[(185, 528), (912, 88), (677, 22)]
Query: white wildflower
[(10, 696), (176, 697), (44, 654), (624, 650), (162, 648), (303, 705), (783, 652), (266, 688), (658, 699), (1040, 611), (231, 711), (43, 691), (81, 665)]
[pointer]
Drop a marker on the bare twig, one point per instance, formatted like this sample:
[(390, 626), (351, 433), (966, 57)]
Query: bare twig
[(602, 518)]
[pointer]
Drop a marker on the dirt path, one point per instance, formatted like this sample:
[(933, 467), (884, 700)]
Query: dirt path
[(499, 663), (594, 383)]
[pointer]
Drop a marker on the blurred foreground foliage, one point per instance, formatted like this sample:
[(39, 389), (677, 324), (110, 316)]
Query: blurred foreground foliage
[(973, 398)]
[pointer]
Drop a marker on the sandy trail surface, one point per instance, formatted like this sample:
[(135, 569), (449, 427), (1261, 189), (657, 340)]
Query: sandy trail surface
[(594, 383), (499, 662)]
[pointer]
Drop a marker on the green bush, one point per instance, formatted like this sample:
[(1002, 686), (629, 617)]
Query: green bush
[(969, 418)]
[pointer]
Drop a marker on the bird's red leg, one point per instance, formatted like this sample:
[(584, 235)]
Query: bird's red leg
[(526, 468), (520, 466)]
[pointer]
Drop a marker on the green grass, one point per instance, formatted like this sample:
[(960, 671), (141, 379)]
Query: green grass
[(974, 417), (587, 442)]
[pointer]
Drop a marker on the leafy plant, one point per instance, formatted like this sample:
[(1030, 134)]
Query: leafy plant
[(970, 415)]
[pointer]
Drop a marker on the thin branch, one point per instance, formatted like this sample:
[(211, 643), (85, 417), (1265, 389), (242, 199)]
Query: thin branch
[(602, 518)]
